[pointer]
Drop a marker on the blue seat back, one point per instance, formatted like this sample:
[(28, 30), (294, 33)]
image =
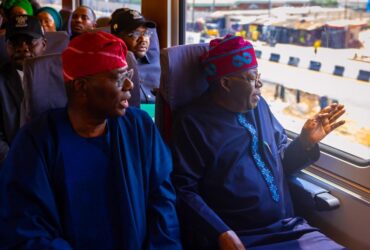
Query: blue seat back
[(182, 80), (43, 85)]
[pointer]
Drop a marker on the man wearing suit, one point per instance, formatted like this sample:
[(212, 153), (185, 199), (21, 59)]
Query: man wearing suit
[(24, 39)]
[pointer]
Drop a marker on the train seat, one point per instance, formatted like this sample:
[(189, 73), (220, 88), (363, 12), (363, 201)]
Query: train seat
[(182, 80), (43, 90)]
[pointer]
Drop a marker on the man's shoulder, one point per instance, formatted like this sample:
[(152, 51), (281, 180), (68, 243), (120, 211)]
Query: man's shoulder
[(198, 112), (198, 107), (263, 107), (136, 116), (5, 70), (137, 113), (42, 125)]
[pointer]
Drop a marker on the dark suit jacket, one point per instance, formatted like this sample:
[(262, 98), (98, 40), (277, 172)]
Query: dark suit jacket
[(11, 96)]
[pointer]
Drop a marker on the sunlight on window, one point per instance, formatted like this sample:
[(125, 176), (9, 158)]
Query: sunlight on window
[(56, 4), (104, 8)]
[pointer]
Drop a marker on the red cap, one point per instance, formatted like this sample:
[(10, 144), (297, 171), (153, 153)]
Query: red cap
[(228, 55), (91, 53)]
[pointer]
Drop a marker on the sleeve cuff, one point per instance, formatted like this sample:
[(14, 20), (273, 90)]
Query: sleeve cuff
[(296, 157)]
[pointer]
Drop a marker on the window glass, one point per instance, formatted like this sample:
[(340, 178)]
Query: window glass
[(56, 4), (104, 8), (311, 53)]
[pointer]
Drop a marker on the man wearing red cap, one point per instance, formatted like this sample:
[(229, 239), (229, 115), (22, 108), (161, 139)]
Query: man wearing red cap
[(93, 175), (231, 156)]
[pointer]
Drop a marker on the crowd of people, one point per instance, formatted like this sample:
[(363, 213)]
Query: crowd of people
[(96, 174)]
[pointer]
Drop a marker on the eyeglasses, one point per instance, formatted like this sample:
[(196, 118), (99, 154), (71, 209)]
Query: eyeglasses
[(123, 76), (136, 34), (18, 42), (256, 81)]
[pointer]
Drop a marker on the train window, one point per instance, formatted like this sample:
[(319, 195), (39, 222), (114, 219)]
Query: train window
[(106, 8), (56, 4), (318, 38)]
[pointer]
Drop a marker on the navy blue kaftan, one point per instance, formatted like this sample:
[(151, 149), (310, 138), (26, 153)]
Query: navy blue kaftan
[(59, 190), (221, 188)]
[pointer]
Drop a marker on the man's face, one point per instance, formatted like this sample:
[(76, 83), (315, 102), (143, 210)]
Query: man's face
[(245, 89), (20, 47), (82, 20), (108, 93), (137, 41), (47, 21)]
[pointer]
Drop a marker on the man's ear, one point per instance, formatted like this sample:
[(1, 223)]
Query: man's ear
[(79, 86), (44, 43), (225, 84)]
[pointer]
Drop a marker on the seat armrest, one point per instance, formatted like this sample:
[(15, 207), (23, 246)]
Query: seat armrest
[(311, 195)]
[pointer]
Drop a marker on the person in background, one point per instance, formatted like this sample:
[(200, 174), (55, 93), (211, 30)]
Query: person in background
[(24, 39), (50, 19), (232, 157), (17, 7), (134, 30), (94, 175), (83, 20)]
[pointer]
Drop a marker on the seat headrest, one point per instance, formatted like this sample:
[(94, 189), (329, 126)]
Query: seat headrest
[(43, 85), (56, 42), (182, 77)]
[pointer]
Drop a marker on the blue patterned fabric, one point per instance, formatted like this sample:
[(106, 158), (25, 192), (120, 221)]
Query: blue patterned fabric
[(266, 173)]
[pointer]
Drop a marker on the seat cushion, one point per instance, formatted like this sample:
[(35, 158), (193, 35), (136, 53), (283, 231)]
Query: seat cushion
[(182, 77)]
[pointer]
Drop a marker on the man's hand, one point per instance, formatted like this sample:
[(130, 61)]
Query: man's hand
[(316, 128), (230, 241)]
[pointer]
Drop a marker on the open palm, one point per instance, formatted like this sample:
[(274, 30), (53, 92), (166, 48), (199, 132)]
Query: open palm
[(316, 128)]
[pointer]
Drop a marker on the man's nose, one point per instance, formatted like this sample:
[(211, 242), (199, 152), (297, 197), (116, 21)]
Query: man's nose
[(22, 46), (142, 37), (127, 85), (259, 83)]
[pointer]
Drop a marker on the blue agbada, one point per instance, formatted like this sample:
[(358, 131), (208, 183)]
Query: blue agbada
[(230, 174), (62, 191)]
